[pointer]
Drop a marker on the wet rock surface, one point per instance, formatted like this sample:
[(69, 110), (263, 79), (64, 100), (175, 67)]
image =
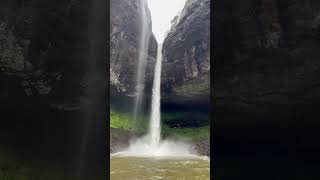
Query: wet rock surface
[(266, 93), (120, 139), (125, 37), (202, 147), (37, 54), (266, 55), (46, 64), (186, 51)]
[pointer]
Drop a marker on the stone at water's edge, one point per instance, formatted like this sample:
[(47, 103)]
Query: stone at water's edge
[(202, 147), (120, 139)]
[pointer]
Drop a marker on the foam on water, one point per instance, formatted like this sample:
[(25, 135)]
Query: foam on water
[(166, 148)]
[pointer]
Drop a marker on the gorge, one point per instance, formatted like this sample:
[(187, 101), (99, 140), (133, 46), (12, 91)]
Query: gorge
[(155, 120), (152, 155), (194, 126)]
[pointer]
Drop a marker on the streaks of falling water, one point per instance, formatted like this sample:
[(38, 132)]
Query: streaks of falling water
[(152, 144), (155, 129), (143, 54)]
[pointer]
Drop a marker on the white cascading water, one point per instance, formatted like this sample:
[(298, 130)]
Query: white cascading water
[(143, 53), (155, 124)]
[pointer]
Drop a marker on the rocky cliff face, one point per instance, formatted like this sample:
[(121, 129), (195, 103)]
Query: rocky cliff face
[(43, 52), (125, 29), (120, 139), (266, 86), (266, 55), (50, 69), (186, 51)]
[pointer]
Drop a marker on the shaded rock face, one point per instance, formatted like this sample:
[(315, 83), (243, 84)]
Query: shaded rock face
[(120, 139), (125, 37), (202, 147), (186, 66), (266, 55), (266, 85), (50, 65), (44, 49), (186, 51)]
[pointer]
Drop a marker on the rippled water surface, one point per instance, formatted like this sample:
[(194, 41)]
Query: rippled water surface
[(143, 168)]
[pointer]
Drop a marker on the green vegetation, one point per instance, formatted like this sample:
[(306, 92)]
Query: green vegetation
[(120, 120), (165, 117), (186, 133), (123, 121), (189, 125)]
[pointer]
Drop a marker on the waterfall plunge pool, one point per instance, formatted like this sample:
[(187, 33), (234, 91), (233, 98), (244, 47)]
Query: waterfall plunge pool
[(167, 168)]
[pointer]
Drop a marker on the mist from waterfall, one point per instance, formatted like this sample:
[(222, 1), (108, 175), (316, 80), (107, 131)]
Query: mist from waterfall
[(142, 59)]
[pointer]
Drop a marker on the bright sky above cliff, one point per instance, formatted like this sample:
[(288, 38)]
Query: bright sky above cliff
[(162, 12)]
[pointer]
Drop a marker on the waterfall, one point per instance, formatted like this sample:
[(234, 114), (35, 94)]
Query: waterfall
[(142, 59), (155, 125), (151, 144)]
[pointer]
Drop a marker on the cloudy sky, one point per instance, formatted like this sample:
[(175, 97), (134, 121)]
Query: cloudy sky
[(162, 12)]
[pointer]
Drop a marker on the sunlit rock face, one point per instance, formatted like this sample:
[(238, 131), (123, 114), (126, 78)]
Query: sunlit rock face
[(125, 29), (267, 55), (186, 51)]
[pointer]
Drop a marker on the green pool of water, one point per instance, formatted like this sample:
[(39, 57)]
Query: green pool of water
[(145, 168)]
